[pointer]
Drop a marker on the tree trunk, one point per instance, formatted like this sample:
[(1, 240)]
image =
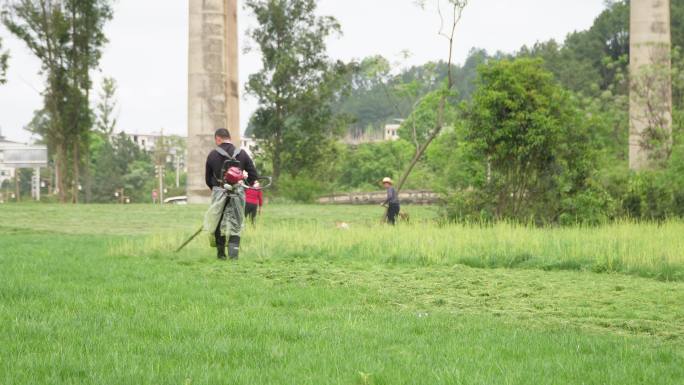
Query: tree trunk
[(276, 163), (88, 177), (60, 166), (277, 148), (75, 173), (421, 150)]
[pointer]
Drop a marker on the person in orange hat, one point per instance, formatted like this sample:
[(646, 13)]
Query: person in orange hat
[(392, 201)]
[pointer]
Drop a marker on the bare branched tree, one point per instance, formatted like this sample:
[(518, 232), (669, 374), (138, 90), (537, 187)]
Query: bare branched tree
[(448, 23)]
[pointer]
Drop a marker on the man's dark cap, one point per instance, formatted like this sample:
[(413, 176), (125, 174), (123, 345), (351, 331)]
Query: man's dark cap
[(222, 133)]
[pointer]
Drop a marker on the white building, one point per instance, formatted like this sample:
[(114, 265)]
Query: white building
[(6, 172), (392, 131), (176, 152), (146, 142), (15, 155), (249, 145)]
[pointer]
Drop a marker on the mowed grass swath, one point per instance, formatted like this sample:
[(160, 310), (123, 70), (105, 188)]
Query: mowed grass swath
[(94, 295)]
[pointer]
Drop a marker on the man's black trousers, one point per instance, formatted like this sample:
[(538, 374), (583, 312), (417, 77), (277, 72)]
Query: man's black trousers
[(392, 212), (220, 240)]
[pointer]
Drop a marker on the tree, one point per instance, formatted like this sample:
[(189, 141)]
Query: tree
[(67, 37), (106, 108), (369, 102), (365, 165), (296, 84), (106, 174), (4, 57), (445, 93), (528, 142), (378, 96), (117, 163), (419, 125)]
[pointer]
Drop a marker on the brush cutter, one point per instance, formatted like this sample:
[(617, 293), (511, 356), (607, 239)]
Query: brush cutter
[(383, 220), (267, 182), (192, 238)]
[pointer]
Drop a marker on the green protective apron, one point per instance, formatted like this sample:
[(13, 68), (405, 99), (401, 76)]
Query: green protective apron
[(228, 208)]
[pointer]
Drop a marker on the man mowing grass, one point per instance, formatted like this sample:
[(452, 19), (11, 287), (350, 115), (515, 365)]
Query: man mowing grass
[(224, 176), (392, 201)]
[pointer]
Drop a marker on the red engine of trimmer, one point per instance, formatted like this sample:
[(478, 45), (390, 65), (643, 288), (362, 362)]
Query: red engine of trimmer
[(233, 175)]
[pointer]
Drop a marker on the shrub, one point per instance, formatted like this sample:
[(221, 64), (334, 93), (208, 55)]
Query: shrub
[(530, 147), (593, 206), (301, 188)]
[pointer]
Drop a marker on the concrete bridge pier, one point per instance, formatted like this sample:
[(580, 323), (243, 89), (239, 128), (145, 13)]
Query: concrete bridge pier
[(213, 95), (651, 83)]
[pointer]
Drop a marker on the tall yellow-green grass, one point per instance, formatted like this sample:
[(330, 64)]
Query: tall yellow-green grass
[(644, 249)]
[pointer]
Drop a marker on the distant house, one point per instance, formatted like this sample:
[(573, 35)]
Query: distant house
[(6, 171), (392, 132), (176, 152), (389, 133), (354, 138), (249, 144), (146, 142)]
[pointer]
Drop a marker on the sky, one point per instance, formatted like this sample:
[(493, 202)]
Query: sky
[(147, 51)]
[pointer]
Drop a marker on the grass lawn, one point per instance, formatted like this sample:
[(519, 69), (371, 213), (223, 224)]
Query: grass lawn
[(95, 295)]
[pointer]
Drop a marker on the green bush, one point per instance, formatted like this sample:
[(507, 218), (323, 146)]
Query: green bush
[(592, 206), (301, 188), (365, 165), (526, 148), (468, 206), (652, 195)]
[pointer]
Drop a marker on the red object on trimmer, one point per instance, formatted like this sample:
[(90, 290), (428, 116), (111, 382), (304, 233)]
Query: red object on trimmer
[(233, 175)]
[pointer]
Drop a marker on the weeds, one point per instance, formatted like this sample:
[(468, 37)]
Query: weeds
[(642, 249)]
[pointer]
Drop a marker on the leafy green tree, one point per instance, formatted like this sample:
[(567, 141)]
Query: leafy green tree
[(296, 85), (67, 37), (377, 96), (581, 62), (417, 128), (139, 180), (107, 173), (4, 57), (105, 109), (117, 162), (369, 102), (105, 123), (528, 142), (365, 165), (677, 18)]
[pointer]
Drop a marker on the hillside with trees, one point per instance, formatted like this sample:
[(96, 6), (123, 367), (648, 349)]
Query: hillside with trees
[(559, 158)]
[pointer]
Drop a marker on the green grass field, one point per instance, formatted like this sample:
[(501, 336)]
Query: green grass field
[(95, 295)]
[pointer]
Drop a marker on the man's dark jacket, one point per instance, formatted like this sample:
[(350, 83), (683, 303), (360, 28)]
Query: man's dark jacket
[(215, 163)]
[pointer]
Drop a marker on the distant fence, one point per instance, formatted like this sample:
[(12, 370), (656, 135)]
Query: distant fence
[(413, 197)]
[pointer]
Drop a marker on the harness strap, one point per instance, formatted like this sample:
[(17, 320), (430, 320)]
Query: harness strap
[(225, 154)]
